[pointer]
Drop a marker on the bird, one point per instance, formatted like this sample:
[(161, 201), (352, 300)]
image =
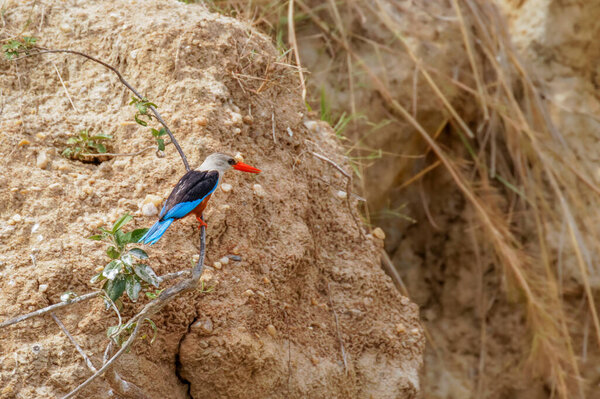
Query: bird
[(191, 194)]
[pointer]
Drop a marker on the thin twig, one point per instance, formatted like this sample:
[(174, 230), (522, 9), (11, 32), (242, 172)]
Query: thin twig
[(348, 188), (294, 45), (50, 308), (64, 87), (273, 127), (42, 50), (88, 362), (337, 328)]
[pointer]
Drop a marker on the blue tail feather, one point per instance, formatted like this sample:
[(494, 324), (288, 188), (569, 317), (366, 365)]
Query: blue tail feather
[(156, 231)]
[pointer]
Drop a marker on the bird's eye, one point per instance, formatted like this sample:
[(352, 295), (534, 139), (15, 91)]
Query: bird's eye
[(231, 161)]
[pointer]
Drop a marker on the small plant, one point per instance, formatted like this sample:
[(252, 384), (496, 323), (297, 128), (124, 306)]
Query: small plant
[(124, 273), (15, 47), (85, 144), (143, 106)]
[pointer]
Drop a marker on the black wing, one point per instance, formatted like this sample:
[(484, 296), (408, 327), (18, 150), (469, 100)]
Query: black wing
[(188, 193)]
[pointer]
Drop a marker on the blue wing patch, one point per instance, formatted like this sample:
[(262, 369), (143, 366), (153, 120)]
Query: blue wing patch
[(182, 209)]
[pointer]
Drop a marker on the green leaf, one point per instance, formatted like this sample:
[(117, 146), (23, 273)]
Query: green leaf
[(30, 40), (123, 220), (162, 132), (151, 295), (138, 253), (121, 239), (100, 147), (141, 107), (112, 269), (133, 288), (97, 277), (113, 252), (73, 140), (153, 325), (115, 288), (155, 132), (67, 153), (161, 144), (84, 135), (146, 273), (126, 259), (96, 237), (139, 121), (137, 234)]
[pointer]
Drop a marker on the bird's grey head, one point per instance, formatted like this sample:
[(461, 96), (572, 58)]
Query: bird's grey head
[(219, 162)]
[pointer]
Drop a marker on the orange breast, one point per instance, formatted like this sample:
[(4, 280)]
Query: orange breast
[(200, 208)]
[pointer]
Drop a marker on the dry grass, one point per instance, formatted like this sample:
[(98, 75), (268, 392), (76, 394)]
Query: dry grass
[(516, 163)]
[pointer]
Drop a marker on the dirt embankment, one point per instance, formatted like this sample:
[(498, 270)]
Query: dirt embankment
[(303, 262)]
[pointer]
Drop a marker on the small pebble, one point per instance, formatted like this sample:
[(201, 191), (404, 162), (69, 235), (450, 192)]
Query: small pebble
[(237, 130), (217, 265), (341, 194), (99, 269), (248, 119), (40, 136), (314, 302), (66, 28), (226, 187), (266, 280), (149, 209), (155, 199), (414, 331), (236, 118), (378, 233), (272, 331), (224, 260), (17, 218), (196, 258), (400, 329), (238, 157), (201, 121), (23, 143), (235, 258), (35, 228), (248, 293), (314, 360), (259, 190), (19, 122), (235, 251), (205, 326), (224, 207), (43, 287)]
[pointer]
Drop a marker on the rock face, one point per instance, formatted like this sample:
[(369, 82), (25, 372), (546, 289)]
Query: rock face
[(308, 287)]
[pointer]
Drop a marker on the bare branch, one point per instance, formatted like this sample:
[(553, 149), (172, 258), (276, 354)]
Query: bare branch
[(42, 50), (348, 177), (50, 309), (88, 362), (172, 276)]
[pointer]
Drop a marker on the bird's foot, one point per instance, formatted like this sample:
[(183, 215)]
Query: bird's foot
[(202, 223)]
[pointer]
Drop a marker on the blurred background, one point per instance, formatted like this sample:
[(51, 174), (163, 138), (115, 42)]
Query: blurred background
[(472, 130)]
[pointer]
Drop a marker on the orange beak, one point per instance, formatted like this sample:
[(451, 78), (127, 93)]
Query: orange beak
[(245, 168)]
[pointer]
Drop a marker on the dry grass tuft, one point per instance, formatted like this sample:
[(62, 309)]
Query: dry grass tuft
[(515, 169)]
